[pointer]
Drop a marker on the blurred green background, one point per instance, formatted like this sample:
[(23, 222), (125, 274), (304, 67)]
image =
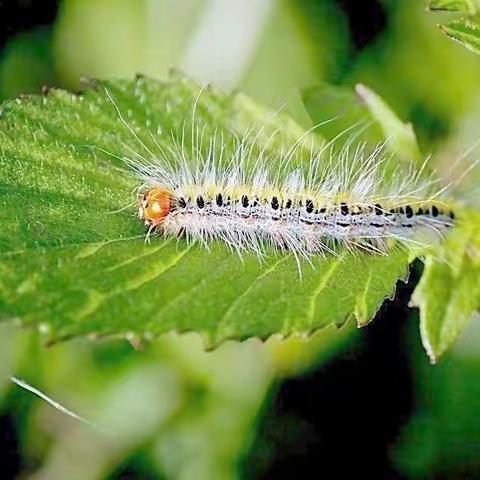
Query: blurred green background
[(342, 403)]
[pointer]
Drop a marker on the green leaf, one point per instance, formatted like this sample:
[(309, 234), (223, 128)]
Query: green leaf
[(402, 139), (73, 260), (464, 31), (337, 109), (449, 291), (464, 6)]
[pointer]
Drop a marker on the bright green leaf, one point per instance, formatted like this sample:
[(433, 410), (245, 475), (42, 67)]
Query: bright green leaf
[(464, 31), (360, 113), (336, 110), (401, 137), (464, 6), (73, 260), (449, 291)]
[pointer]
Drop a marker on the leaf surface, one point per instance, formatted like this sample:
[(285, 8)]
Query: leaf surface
[(343, 113), (73, 259), (464, 31), (464, 6), (449, 291)]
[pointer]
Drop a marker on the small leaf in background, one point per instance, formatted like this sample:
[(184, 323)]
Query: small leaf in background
[(401, 137), (464, 31), (449, 291), (337, 109), (464, 6)]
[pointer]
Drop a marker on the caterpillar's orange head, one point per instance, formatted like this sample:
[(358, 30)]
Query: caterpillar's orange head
[(156, 204)]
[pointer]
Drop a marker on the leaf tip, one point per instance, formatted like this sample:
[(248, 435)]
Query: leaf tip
[(362, 91), (428, 348), (44, 328), (135, 341), (443, 28)]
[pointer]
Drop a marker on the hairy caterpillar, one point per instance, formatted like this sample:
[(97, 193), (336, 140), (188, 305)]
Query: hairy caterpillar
[(252, 200), (306, 211)]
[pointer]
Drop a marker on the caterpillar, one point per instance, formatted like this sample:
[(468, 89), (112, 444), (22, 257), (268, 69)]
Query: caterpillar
[(254, 202)]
